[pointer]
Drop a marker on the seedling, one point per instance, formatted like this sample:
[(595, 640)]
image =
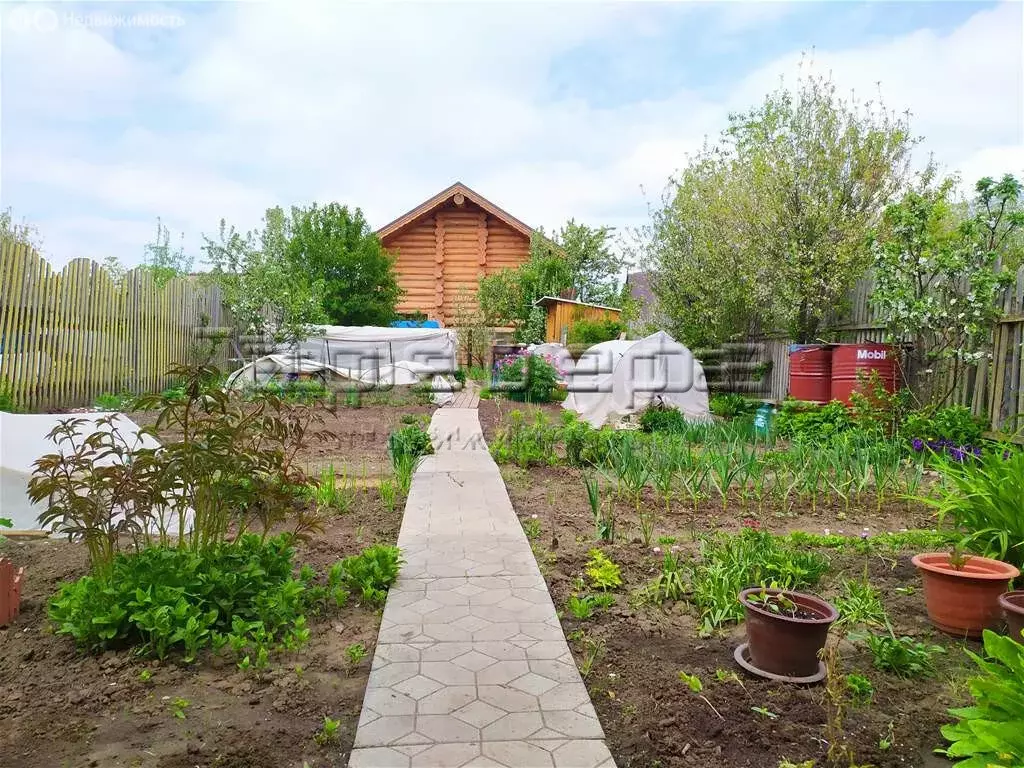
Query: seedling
[(328, 732), (532, 528), (696, 686), (355, 653), (592, 650), (692, 682), (581, 608), (145, 676), (178, 707), (885, 742), (765, 712)]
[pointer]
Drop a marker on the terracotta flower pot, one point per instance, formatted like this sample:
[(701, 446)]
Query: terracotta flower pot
[(964, 601), (1012, 604), (10, 591), (785, 645)]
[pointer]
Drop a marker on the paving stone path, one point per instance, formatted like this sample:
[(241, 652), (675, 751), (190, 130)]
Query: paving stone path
[(471, 666)]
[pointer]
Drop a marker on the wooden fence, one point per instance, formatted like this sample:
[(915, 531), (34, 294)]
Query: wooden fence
[(67, 337), (991, 389)]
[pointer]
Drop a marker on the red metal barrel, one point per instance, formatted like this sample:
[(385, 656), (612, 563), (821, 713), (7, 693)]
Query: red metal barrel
[(810, 373), (848, 360)]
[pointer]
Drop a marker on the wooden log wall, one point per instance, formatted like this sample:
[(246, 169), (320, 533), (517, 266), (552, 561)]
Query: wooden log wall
[(441, 257)]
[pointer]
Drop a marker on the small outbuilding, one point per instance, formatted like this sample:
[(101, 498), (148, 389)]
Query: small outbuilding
[(563, 314)]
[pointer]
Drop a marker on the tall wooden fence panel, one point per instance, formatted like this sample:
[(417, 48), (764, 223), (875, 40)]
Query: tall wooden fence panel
[(67, 337)]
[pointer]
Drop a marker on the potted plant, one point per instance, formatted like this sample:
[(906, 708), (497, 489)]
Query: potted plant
[(786, 631), (962, 591), (1012, 604)]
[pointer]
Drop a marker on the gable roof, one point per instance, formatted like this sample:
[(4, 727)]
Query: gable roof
[(443, 197)]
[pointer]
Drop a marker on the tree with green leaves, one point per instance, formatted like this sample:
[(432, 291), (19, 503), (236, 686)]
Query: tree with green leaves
[(577, 259), (162, 260), (335, 246), (770, 223), (260, 286), (21, 233), (938, 270)]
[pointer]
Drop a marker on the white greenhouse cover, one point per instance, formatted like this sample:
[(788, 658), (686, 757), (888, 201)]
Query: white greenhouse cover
[(281, 369), (368, 347), (622, 377), (23, 440)]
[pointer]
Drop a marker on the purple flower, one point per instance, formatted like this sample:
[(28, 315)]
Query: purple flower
[(1006, 454), (956, 454), (918, 444), (977, 452)]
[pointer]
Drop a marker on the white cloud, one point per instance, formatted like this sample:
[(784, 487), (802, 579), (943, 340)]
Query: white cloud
[(253, 105)]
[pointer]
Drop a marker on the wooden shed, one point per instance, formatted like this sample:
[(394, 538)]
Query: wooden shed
[(562, 314), (446, 244)]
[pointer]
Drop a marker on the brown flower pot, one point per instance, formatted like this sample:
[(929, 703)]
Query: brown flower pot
[(1012, 604), (964, 601), (784, 645)]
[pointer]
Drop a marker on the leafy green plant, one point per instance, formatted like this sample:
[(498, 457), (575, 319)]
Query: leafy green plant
[(981, 496), (669, 584), (231, 464), (902, 656), (526, 378), (729, 563), (812, 422), (388, 491), (410, 440), (595, 331), (166, 599), (531, 527), (355, 653), (990, 734), (108, 401), (371, 572), (860, 688), (602, 573), (730, 405), (861, 603), (692, 682), (329, 495), (604, 521), (581, 608), (178, 707), (328, 732), (660, 418)]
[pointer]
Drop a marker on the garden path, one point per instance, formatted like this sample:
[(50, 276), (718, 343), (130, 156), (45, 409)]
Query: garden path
[(471, 667)]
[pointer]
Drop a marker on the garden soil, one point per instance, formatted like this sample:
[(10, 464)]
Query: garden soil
[(63, 708), (652, 719)]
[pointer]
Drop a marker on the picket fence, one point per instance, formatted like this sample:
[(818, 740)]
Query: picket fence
[(67, 337), (991, 389)]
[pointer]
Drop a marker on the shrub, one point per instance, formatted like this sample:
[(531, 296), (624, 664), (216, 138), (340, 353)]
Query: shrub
[(662, 418), (527, 378), (955, 425), (595, 331), (231, 465), (811, 422), (167, 598), (991, 733), (370, 573), (729, 405), (982, 497)]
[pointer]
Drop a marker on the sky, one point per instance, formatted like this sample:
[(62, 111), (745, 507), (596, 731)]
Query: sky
[(114, 114)]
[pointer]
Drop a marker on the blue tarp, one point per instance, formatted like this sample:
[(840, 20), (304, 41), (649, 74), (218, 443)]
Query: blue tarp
[(415, 324)]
